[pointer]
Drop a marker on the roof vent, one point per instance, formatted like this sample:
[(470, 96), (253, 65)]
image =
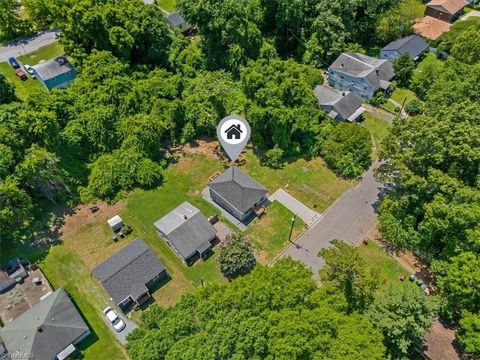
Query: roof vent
[(39, 329), (185, 217), (342, 65), (53, 319), (343, 93), (377, 71)]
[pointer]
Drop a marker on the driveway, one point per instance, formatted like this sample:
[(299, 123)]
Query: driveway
[(28, 45), (122, 335), (308, 216), (348, 219)]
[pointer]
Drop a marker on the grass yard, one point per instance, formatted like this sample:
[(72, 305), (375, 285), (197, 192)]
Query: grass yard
[(310, 181), (389, 271), (269, 235), (24, 88), (400, 94), (378, 128), (167, 5), (429, 60)]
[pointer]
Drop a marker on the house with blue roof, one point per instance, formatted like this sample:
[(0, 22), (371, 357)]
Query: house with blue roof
[(56, 73)]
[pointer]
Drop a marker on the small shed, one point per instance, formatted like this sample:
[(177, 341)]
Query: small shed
[(115, 223)]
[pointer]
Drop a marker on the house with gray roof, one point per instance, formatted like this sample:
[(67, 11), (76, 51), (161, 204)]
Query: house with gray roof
[(413, 45), (48, 330), (130, 273), (361, 74), (339, 105), (237, 192), (187, 231), (176, 22), (55, 73)]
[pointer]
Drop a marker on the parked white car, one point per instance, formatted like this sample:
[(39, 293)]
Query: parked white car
[(29, 70), (117, 323)]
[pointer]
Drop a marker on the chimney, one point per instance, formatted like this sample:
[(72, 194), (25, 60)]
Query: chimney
[(343, 93), (39, 329), (185, 217), (377, 71)]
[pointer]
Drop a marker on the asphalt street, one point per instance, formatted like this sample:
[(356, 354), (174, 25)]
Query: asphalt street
[(27, 45), (348, 219)]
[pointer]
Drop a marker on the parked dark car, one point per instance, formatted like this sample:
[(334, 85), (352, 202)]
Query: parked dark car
[(14, 63)]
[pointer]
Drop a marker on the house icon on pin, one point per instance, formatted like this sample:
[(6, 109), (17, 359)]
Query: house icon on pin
[(234, 132)]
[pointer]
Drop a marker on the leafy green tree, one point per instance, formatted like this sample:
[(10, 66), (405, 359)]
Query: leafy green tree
[(414, 107), (397, 21), (469, 332), (466, 47), (11, 26), (40, 11), (229, 30), (235, 256), (347, 148), (347, 271), (7, 91), (404, 67), (273, 157), (262, 315), (403, 315)]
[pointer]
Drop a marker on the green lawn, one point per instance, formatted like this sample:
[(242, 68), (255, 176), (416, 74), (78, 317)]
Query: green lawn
[(430, 59), (310, 181), (400, 94), (167, 5), (25, 87), (378, 128), (388, 270), (269, 235)]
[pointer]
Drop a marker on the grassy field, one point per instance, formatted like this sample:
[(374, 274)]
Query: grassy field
[(269, 235), (24, 87), (310, 181), (389, 271), (167, 5), (400, 94), (378, 128)]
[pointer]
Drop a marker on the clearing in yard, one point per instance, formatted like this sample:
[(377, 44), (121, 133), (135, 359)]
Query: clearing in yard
[(25, 87), (167, 5), (379, 130), (270, 234), (399, 95)]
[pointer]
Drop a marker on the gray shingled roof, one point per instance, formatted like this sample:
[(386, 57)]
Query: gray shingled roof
[(238, 189), (413, 44), (59, 320), (187, 228), (126, 272), (175, 19), (363, 66), (52, 68), (345, 103)]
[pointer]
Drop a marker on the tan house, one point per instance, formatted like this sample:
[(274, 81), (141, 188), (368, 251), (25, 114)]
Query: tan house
[(431, 28), (446, 10)]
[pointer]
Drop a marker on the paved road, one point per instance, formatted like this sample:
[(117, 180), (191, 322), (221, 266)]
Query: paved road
[(27, 45), (349, 218), (308, 216)]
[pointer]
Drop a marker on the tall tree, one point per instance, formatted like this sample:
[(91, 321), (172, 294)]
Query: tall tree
[(7, 91), (404, 67), (403, 315), (236, 256), (11, 26)]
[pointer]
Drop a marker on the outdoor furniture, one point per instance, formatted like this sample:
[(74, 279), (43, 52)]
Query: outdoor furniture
[(114, 238), (213, 219), (94, 208), (402, 278), (411, 277), (36, 280), (126, 230)]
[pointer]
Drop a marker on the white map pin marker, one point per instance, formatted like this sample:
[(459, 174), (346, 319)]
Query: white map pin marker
[(233, 133)]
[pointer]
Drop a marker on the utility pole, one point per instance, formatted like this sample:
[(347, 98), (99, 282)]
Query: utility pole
[(291, 227)]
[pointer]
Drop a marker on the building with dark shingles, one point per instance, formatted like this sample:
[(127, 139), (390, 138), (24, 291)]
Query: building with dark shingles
[(187, 231), (128, 274), (237, 192), (55, 73), (339, 105), (176, 22), (361, 74), (413, 45), (49, 330)]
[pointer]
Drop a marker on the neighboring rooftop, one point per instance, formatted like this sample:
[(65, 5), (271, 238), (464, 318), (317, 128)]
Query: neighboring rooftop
[(413, 45), (52, 68), (345, 103), (363, 66), (127, 271), (175, 19), (21, 296), (238, 189), (46, 329), (187, 228), (449, 6), (431, 28)]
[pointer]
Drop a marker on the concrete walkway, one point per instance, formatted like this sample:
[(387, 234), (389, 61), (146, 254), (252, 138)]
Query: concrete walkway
[(474, 13), (308, 216), (27, 45)]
